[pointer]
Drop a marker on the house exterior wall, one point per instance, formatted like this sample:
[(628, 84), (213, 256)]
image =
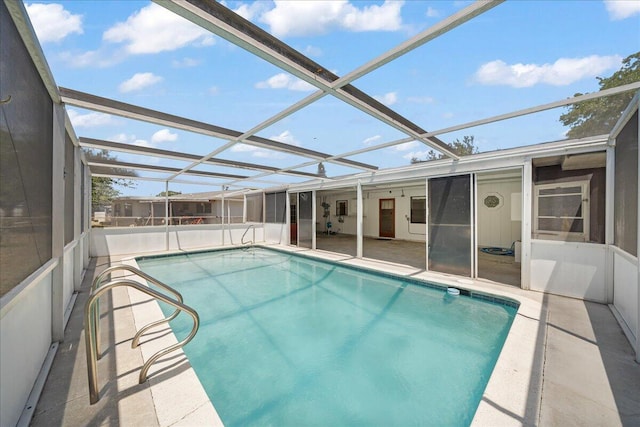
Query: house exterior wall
[(497, 226)]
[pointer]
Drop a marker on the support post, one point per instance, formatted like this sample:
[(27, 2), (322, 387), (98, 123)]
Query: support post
[(527, 185), (166, 215), (359, 220), (609, 221)]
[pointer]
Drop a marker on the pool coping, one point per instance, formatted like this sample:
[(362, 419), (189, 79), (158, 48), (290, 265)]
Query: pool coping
[(512, 395)]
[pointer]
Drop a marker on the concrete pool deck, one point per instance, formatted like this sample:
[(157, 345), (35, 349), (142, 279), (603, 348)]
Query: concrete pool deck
[(566, 362)]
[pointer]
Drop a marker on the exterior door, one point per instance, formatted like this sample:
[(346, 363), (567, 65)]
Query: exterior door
[(387, 218)]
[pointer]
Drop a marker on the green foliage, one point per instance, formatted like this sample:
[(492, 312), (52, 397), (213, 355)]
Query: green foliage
[(461, 148), (598, 116), (171, 193), (103, 189)]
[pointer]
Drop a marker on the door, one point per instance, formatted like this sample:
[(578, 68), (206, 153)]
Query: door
[(293, 219), (387, 218), (450, 232), (305, 219)]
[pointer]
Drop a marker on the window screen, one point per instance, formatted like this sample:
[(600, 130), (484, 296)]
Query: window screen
[(418, 210), (561, 209), (275, 207), (83, 201), (26, 129), (254, 207), (626, 188), (69, 193)]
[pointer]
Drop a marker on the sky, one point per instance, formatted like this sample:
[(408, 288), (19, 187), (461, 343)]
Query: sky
[(517, 55)]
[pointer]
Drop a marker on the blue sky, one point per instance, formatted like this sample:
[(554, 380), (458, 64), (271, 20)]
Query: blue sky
[(517, 55)]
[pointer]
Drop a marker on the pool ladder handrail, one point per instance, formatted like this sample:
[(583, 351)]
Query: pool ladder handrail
[(91, 330), (96, 312), (253, 241)]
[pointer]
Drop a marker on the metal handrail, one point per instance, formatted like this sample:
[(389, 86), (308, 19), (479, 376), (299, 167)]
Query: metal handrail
[(242, 242), (96, 312), (91, 331)]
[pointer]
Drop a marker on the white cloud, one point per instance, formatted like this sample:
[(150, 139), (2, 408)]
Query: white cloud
[(139, 81), (421, 99), (214, 90), (52, 22), (87, 120), (287, 137), (561, 73), (123, 138), (622, 9), (91, 58), (164, 135), (257, 151), (293, 18), (185, 63), (312, 51), (250, 11), (155, 29), (432, 13), (372, 139), (406, 146), (285, 81), (388, 98)]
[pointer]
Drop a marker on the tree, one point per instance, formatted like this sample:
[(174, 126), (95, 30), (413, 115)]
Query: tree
[(461, 148), (598, 116), (171, 193), (103, 189)]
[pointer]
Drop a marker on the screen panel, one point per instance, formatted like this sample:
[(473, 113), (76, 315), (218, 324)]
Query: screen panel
[(450, 225), (26, 150), (305, 219), (626, 188)]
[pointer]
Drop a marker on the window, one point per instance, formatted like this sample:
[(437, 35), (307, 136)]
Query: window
[(418, 210), (341, 208), (275, 207), (128, 209), (203, 208), (561, 210), (254, 207)]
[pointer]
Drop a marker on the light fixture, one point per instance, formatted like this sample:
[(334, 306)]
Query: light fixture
[(321, 171)]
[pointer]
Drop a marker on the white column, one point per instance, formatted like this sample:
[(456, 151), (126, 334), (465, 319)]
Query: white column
[(638, 254), (222, 212), (527, 185), (609, 221), (166, 215), (359, 220), (426, 225), (313, 220), (287, 219), (473, 222), (244, 208)]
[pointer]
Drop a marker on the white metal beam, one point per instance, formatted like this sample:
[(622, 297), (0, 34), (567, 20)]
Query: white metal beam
[(224, 23)]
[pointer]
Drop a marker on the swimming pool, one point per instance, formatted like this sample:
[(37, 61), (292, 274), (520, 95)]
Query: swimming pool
[(289, 340)]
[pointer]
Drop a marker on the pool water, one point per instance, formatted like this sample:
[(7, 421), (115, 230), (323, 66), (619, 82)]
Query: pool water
[(287, 340)]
